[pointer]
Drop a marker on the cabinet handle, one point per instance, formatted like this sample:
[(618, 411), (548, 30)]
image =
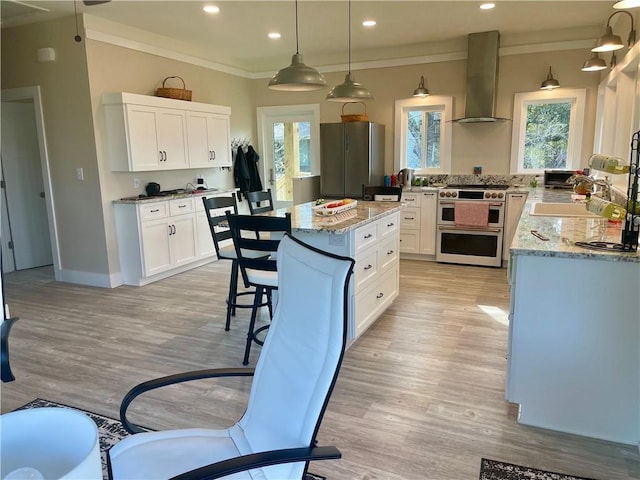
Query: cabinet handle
[(390, 224), (390, 252), (516, 196), (409, 218), (182, 206), (154, 210), (429, 194), (368, 235), (214, 154), (380, 295), (409, 199), (368, 267), (160, 155), (170, 231), (165, 155), (174, 229)]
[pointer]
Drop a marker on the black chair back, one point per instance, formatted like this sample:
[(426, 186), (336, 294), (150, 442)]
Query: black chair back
[(369, 193), (245, 231), (255, 200), (219, 234)]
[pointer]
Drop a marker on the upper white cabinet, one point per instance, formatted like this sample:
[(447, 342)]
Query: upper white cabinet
[(208, 139), (153, 133)]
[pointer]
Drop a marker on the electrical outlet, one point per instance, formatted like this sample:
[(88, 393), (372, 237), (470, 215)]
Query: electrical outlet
[(136, 183), (200, 181)]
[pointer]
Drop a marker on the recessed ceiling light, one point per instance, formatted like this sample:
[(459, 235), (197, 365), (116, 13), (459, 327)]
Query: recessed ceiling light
[(369, 23), (487, 6), (274, 35), (211, 9)]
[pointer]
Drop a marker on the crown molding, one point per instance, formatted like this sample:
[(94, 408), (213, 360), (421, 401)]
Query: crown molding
[(394, 62)]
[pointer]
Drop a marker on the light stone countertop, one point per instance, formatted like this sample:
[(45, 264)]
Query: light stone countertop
[(177, 196), (303, 219), (563, 232)]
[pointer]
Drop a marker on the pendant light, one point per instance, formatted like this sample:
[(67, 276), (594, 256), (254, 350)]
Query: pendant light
[(421, 91), (550, 83), (609, 41), (626, 4), (349, 90), (594, 64), (297, 77)]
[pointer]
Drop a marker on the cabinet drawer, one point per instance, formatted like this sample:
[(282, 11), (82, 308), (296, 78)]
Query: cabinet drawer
[(151, 211), (366, 268), (409, 241), (374, 299), (389, 225), (388, 254), (180, 207), (365, 236), (410, 218), (411, 199)]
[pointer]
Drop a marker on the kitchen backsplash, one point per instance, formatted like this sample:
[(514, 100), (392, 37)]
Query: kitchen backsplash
[(513, 180)]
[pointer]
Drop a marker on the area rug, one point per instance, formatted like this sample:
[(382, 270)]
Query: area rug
[(494, 470), (110, 431)]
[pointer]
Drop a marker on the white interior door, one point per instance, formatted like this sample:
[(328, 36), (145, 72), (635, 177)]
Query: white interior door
[(24, 192), (290, 139)]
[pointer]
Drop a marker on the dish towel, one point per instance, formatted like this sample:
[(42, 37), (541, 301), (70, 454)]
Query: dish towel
[(471, 214)]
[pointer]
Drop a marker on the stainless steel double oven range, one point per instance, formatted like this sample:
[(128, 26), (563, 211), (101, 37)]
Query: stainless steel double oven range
[(477, 245)]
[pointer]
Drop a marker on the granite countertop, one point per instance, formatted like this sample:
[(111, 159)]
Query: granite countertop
[(176, 196), (563, 232), (303, 218)]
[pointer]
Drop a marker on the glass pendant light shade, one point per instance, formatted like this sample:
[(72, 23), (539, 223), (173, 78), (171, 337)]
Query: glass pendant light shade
[(608, 42), (594, 64), (550, 83), (349, 91), (297, 77), (421, 91)]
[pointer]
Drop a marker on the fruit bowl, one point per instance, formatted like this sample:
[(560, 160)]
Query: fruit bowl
[(332, 208)]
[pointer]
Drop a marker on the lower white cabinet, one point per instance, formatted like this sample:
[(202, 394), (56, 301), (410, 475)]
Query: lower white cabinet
[(376, 272), (418, 223), (515, 204), (159, 239)]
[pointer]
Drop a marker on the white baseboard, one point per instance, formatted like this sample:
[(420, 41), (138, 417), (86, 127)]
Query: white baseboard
[(92, 279)]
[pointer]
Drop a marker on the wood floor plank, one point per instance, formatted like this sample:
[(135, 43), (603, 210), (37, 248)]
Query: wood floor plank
[(420, 394)]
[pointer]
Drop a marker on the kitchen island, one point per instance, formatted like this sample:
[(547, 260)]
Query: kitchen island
[(370, 234), (574, 333)]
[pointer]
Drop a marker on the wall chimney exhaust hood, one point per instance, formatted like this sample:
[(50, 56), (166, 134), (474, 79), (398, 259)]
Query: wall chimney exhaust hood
[(482, 78)]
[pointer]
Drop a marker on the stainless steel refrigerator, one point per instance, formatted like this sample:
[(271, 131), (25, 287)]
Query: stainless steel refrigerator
[(351, 155)]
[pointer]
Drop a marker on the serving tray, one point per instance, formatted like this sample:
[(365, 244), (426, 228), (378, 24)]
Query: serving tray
[(323, 210)]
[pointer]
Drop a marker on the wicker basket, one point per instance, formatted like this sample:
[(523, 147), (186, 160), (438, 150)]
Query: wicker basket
[(356, 117), (175, 93)]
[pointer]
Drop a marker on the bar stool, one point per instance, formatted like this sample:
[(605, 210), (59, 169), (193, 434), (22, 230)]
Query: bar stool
[(213, 207), (248, 233)]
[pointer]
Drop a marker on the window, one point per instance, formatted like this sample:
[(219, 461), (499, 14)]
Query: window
[(290, 138), (424, 129), (547, 130)]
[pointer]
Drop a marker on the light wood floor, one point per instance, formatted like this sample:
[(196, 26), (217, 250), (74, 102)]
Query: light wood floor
[(420, 395)]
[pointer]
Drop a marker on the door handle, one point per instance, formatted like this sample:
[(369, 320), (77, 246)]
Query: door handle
[(271, 176)]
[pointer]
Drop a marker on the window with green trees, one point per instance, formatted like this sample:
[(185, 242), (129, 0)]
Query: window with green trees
[(547, 130), (423, 139)]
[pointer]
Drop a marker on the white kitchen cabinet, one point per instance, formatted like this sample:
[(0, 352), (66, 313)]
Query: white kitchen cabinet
[(410, 223), (428, 214), (145, 133), (515, 204), (208, 139), (159, 239)]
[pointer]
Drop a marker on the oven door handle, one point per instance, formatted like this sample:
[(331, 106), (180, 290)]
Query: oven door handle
[(473, 229), (491, 204)]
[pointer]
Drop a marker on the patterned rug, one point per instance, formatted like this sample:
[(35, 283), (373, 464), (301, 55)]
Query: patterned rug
[(494, 470), (110, 431)]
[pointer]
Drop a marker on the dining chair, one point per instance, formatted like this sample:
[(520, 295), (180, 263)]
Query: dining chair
[(215, 209), (255, 199), (248, 233), (381, 193), (292, 383)]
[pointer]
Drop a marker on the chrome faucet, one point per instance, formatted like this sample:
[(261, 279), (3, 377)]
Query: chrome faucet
[(605, 186)]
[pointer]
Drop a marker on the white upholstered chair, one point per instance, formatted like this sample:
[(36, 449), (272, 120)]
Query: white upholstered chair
[(292, 383)]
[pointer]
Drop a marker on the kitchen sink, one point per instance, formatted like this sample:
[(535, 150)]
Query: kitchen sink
[(561, 210)]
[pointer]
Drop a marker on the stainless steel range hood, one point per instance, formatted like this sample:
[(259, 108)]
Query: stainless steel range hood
[(482, 78)]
